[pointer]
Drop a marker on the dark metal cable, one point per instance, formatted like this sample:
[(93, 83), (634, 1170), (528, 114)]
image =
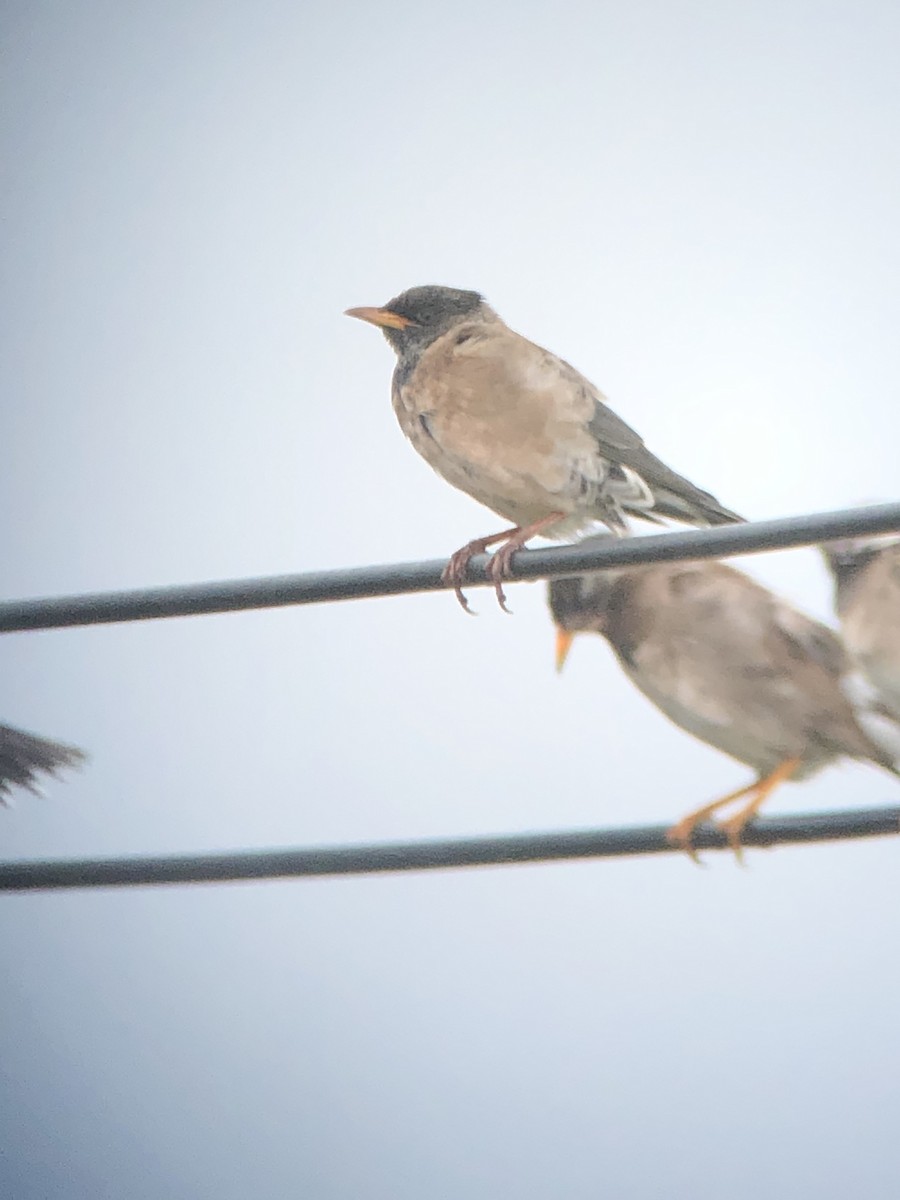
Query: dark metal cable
[(396, 579), (433, 855)]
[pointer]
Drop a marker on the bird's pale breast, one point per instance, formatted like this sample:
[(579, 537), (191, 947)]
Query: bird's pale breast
[(491, 413)]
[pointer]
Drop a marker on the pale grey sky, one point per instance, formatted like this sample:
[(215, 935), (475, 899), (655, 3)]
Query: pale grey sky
[(697, 205)]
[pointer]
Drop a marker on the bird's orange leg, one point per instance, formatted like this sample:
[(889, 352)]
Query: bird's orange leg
[(760, 790), (515, 538), (735, 825), (682, 833)]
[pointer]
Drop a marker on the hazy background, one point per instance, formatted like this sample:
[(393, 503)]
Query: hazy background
[(697, 205)]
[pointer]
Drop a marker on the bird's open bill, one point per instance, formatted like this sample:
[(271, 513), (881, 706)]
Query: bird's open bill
[(380, 316)]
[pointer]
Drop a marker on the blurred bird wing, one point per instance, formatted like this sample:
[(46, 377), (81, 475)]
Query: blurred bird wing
[(801, 638), (818, 662), (725, 647)]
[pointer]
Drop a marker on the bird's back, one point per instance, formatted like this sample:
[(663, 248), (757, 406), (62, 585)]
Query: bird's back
[(737, 666), (525, 433)]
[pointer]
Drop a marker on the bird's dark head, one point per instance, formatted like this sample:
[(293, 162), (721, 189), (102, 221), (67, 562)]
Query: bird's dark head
[(846, 556), (580, 604), (414, 319), (847, 559)]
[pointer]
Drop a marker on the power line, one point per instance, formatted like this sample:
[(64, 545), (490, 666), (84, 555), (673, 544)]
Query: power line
[(433, 855), (400, 578), (363, 582)]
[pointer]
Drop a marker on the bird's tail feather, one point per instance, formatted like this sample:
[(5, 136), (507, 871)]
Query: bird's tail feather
[(24, 756), (699, 508)]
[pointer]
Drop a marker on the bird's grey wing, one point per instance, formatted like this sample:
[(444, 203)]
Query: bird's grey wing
[(673, 495), (804, 637), (822, 666)]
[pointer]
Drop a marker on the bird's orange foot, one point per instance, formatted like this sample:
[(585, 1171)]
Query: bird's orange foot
[(682, 834), (734, 828)]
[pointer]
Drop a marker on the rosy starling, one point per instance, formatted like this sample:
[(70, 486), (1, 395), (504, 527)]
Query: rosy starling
[(729, 662), (520, 430)]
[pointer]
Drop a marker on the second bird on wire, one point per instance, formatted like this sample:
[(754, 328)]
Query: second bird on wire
[(730, 663)]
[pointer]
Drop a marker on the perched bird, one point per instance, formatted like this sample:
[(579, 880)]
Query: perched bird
[(867, 598), (23, 756), (519, 430), (729, 662)]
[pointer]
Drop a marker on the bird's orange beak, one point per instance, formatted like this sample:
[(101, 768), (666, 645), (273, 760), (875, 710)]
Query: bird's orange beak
[(380, 316), (564, 640)]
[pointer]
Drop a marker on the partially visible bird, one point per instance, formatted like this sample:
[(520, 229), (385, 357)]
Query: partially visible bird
[(867, 598), (519, 430), (729, 662), (23, 756)]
